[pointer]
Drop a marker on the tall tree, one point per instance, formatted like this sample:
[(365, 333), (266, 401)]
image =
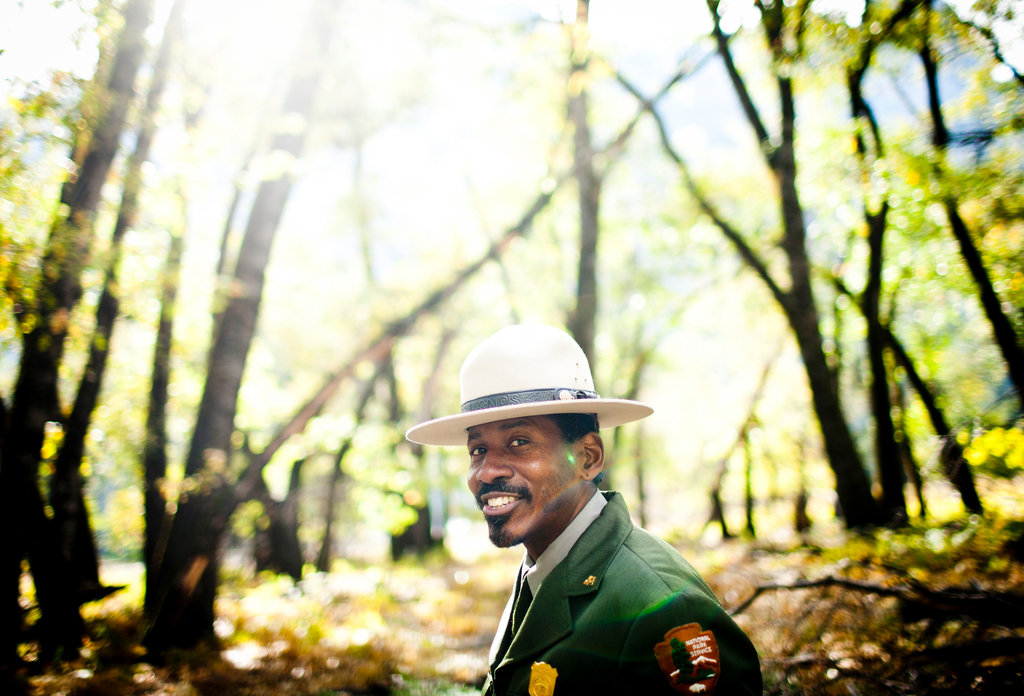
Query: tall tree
[(1002, 327), (876, 206), (66, 494), (583, 318), (797, 301), (35, 400)]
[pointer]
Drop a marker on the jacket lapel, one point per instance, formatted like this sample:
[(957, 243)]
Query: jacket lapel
[(549, 618), (547, 621)]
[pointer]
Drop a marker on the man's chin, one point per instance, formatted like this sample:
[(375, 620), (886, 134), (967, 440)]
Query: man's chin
[(499, 533)]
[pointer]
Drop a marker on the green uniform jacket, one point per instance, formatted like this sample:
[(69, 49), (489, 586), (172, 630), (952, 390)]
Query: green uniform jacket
[(600, 613)]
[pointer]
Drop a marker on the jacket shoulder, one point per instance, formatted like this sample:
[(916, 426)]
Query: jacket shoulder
[(664, 593), (654, 564)]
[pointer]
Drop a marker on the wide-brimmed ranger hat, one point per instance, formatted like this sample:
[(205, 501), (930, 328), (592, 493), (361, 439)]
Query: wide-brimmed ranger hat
[(525, 370)]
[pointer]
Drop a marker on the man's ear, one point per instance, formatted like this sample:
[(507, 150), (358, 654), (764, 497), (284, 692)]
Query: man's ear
[(590, 455)]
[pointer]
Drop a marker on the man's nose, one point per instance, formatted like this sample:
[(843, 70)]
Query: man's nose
[(493, 467)]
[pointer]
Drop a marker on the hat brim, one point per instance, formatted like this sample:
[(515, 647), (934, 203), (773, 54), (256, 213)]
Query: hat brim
[(451, 430)]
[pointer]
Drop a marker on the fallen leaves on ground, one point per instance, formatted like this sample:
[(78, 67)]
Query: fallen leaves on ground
[(856, 614)]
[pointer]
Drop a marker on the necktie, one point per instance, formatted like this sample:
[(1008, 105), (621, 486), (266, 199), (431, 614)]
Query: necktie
[(522, 602)]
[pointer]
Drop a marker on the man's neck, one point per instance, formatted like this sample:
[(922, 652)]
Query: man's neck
[(539, 568)]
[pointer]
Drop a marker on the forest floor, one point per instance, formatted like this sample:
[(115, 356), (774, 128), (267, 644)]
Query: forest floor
[(929, 611)]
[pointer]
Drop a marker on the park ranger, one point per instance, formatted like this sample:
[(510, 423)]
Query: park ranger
[(599, 606)]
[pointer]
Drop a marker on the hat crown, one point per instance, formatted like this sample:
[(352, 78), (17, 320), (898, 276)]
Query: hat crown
[(524, 357), (521, 371)]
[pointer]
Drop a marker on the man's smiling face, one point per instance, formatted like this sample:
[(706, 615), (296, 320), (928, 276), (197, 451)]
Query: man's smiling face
[(527, 480)]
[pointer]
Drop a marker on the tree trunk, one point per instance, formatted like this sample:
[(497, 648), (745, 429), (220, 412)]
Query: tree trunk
[(887, 453), (801, 520), (154, 457), (583, 318), (66, 495), (906, 450), (951, 454), (857, 505), (718, 510), (277, 547), (323, 558), (890, 471), (416, 538), (852, 487), (640, 358), (186, 580), (35, 394), (1002, 327), (748, 487), (742, 438)]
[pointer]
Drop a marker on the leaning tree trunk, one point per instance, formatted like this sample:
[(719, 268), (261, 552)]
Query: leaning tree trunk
[(377, 346), (951, 454), (857, 505), (181, 612), (1002, 326), (853, 489)]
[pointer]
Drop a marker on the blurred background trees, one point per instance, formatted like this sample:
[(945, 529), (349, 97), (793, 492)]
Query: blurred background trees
[(244, 246)]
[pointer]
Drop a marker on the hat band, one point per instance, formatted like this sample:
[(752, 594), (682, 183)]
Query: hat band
[(527, 397)]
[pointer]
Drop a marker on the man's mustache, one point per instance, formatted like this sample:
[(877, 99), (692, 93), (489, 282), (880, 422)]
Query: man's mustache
[(501, 487)]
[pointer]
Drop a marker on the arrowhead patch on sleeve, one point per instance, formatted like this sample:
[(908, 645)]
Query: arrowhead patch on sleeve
[(689, 658)]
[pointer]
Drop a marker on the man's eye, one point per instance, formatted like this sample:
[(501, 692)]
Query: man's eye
[(476, 451), (517, 442)]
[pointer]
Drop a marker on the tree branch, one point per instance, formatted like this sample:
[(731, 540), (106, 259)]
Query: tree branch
[(740, 87), (745, 251), (986, 606)]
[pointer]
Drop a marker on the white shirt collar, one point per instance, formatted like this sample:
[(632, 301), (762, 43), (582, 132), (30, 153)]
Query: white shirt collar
[(555, 553)]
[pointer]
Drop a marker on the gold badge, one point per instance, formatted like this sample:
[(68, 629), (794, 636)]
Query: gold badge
[(589, 582), (689, 658), (542, 679)]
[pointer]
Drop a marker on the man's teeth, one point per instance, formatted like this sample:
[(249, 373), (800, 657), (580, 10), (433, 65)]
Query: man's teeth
[(501, 502)]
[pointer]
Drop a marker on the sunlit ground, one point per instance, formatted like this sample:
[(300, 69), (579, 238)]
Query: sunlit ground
[(425, 626)]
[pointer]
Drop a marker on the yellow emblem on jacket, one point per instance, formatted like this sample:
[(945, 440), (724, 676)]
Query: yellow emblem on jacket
[(542, 679)]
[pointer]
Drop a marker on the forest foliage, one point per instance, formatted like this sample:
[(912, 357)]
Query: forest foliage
[(245, 246)]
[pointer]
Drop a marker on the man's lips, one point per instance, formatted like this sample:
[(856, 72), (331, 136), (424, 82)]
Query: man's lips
[(500, 499), (498, 503)]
